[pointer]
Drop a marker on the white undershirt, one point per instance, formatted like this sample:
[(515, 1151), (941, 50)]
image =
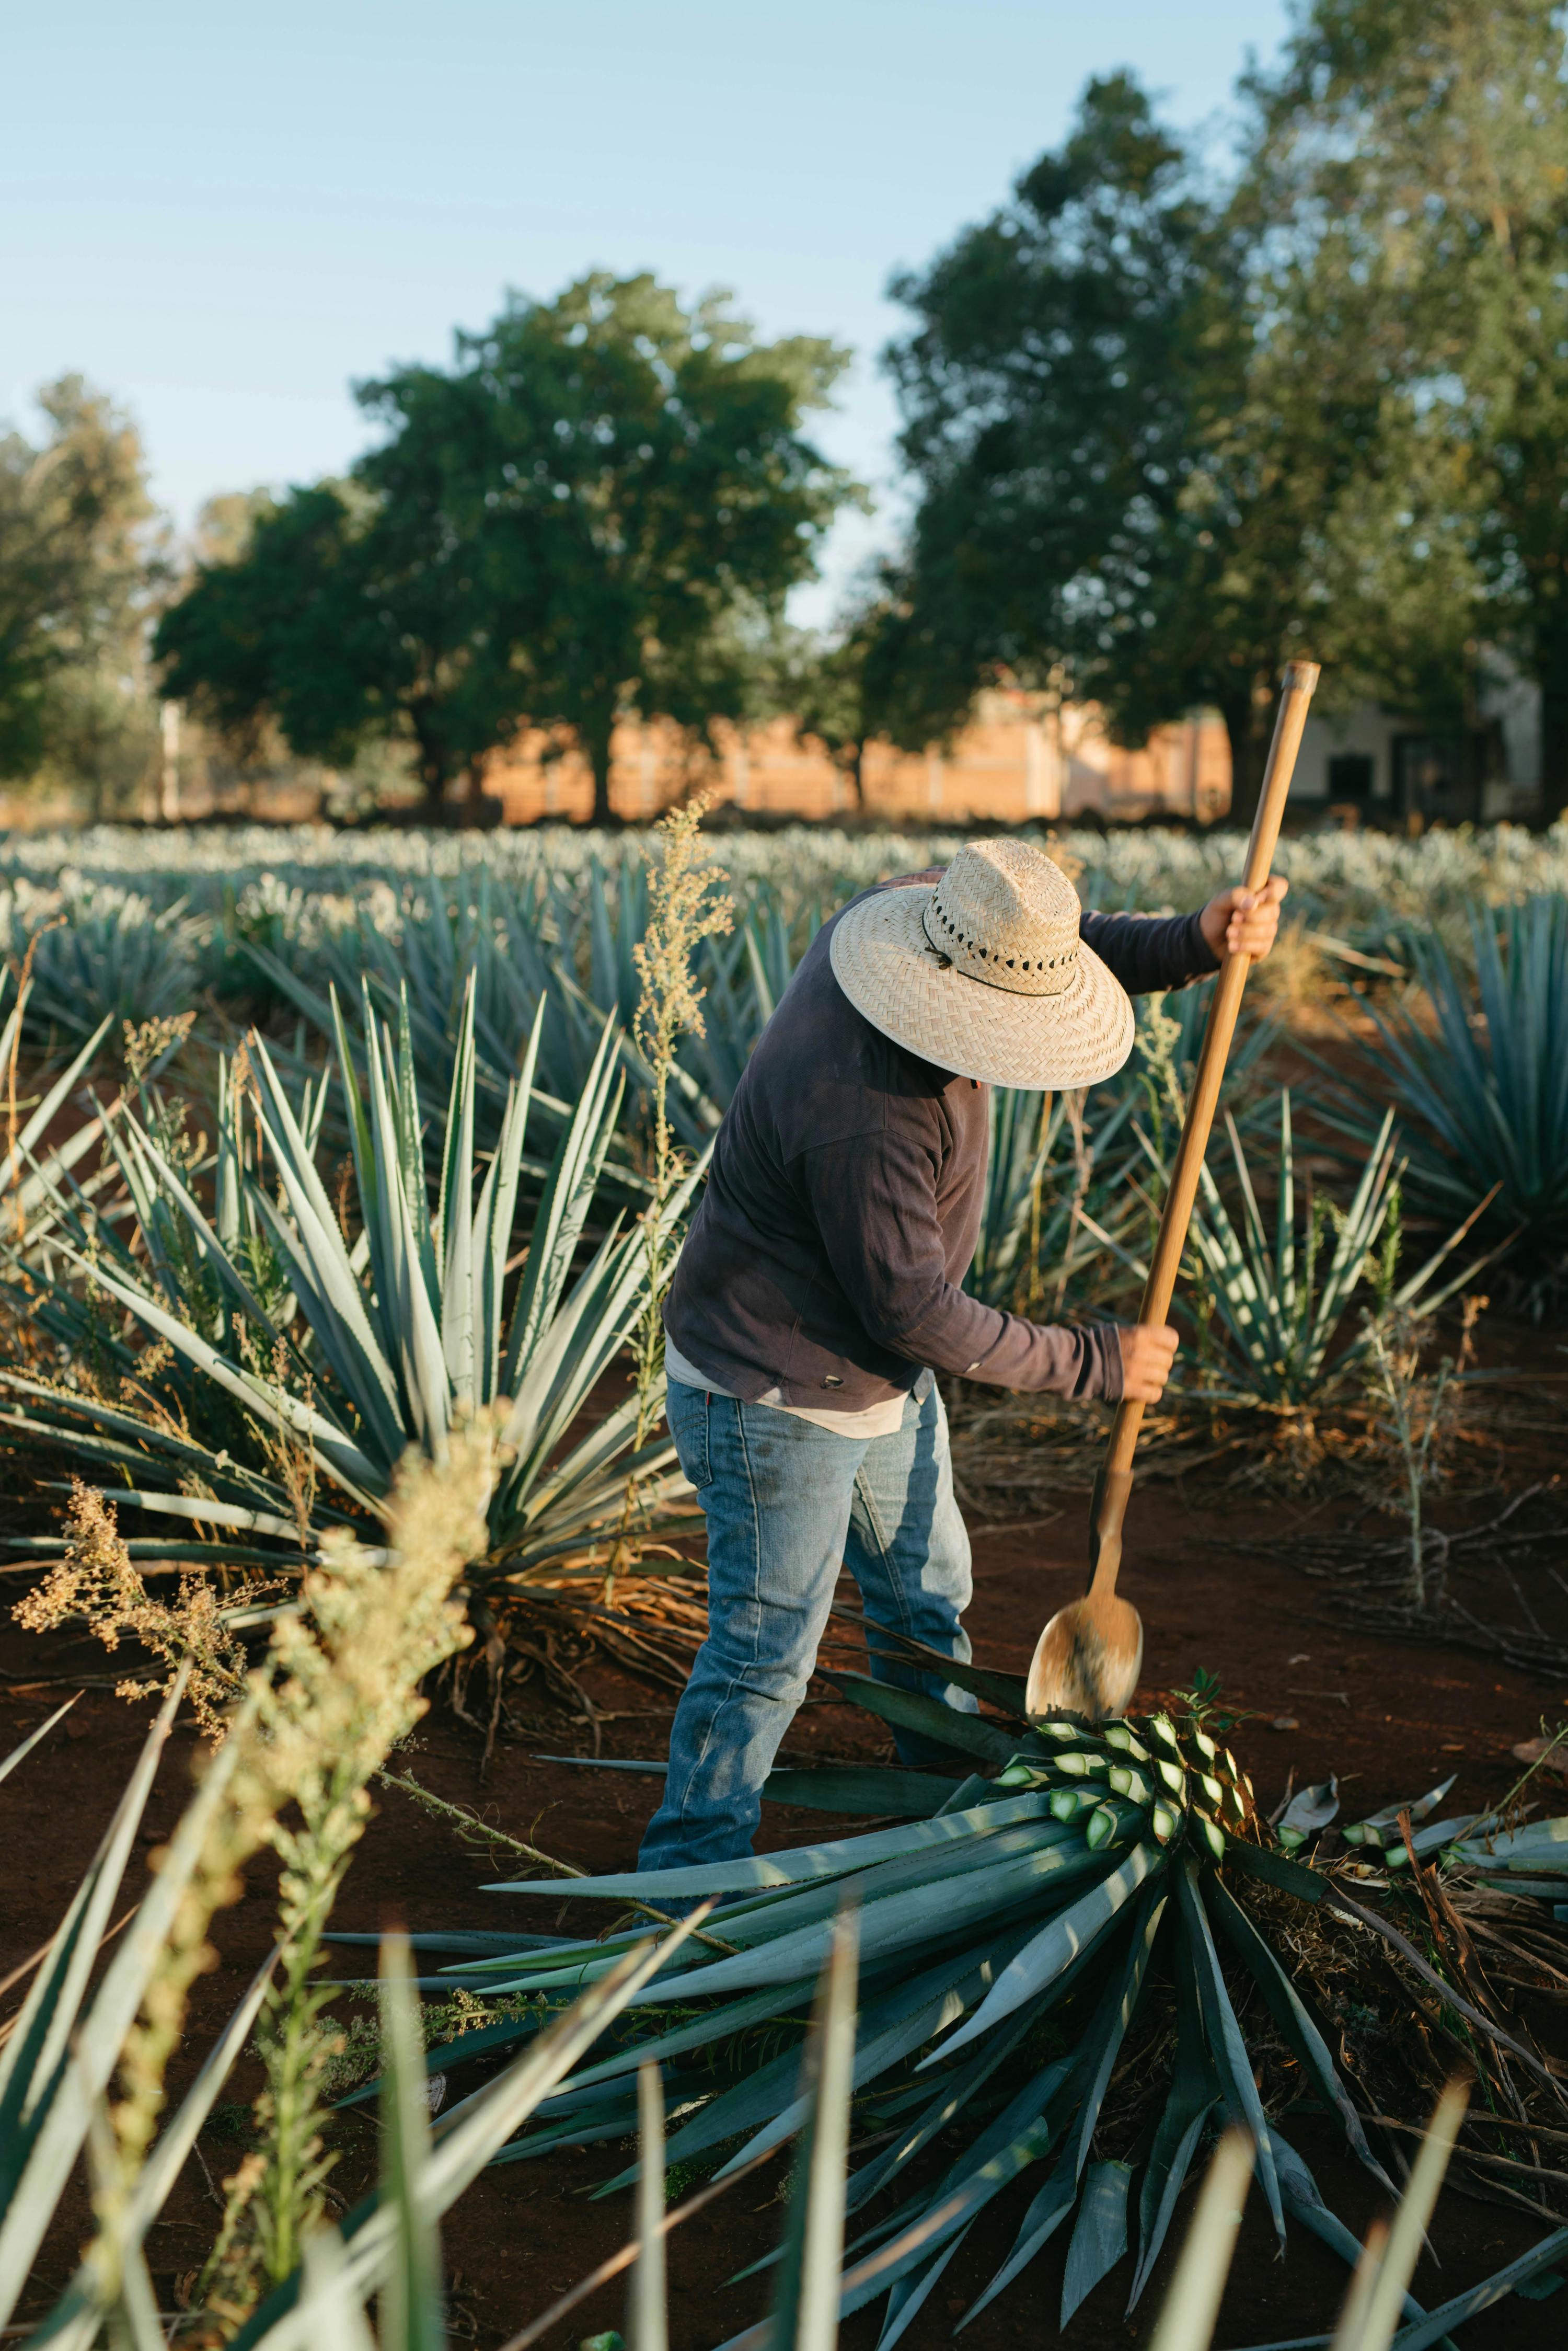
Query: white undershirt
[(874, 1420)]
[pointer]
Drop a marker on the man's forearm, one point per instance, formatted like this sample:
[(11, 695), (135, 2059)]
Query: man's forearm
[(958, 1334), (1148, 951)]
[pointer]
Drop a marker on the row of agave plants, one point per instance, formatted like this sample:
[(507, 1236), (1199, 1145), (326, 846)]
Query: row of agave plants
[(245, 1339), (1461, 1121), (303, 878), (1467, 1048)]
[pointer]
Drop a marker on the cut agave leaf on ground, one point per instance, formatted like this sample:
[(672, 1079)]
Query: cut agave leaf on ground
[(800, 1865), (1289, 2012), (1192, 2096), (1371, 1831), (1309, 1813), (18, 1754), (1305, 2203), (878, 1790), (912, 1711)]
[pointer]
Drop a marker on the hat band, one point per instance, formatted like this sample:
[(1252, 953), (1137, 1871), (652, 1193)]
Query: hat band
[(991, 963)]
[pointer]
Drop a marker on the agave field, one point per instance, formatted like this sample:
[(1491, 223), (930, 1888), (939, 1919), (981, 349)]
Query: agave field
[(342, 1177)]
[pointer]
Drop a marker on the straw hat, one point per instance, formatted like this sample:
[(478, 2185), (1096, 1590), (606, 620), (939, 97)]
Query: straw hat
[(987, 975)]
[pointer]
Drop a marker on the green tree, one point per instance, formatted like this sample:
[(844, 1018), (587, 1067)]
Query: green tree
[(1414, 154), (870, 678), (581, 517), (1132, 463), (77, 564), (1048, 391), (345, 619)]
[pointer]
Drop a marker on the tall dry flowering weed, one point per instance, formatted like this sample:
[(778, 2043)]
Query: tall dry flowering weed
[(341, 1691), (686, 904), (98, 1579), (312, 1723), (146, 1043), (1416, 1421)]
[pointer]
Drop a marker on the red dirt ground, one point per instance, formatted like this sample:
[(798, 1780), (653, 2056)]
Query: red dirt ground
[(1390, 1719)]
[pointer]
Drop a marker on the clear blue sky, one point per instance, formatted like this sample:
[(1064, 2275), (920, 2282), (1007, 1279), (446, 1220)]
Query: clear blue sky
[(221, 214)]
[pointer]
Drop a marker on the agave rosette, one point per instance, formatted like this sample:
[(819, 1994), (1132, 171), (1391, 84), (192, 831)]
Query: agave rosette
[(1090, 1904), (1283, 1290), (552, 950), (1081, 1896), (1479, 1075), (343, 1353)]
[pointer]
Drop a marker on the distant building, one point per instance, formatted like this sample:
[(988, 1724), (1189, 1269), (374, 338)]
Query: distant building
[(1022, 755), (1385, 768)]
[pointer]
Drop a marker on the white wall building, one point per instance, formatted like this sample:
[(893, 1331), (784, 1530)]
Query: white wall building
[(1366, 758)]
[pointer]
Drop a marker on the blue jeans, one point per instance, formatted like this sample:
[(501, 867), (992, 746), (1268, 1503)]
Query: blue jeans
[(786, 1503)]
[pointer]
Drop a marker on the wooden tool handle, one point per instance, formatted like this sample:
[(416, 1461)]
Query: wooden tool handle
[(1116, 1480)]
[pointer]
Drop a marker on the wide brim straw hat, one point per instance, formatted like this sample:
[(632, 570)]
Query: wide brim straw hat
[(987, 975)]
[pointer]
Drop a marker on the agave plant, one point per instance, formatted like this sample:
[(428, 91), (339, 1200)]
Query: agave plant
[(27, 1182), (1097, 1877), (1045, 1210), (129, 1221), (386, 2244), (1056, 1204), (96, 963), (62, 2047), (61, 2050), (326, 1359), (534, 955), (1478, 1074), (1093, 1903), (389, 2244), (1283, 1289)]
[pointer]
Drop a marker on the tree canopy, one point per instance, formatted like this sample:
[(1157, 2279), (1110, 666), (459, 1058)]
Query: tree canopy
[(1413, 157), (75, 577), (1168, 433), (575, 519), (1123, 476)]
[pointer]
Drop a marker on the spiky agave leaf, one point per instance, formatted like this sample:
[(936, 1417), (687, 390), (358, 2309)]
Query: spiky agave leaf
[(1478, 1076), (538, 960), (62, 2046), (25, 1183), (105, 957), (373, 2233), (68, 2038)]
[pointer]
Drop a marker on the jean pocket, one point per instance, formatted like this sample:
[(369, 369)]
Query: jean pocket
[(687, 1410)]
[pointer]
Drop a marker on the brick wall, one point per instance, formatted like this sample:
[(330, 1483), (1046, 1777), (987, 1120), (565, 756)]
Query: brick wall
[(1020, 758)]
